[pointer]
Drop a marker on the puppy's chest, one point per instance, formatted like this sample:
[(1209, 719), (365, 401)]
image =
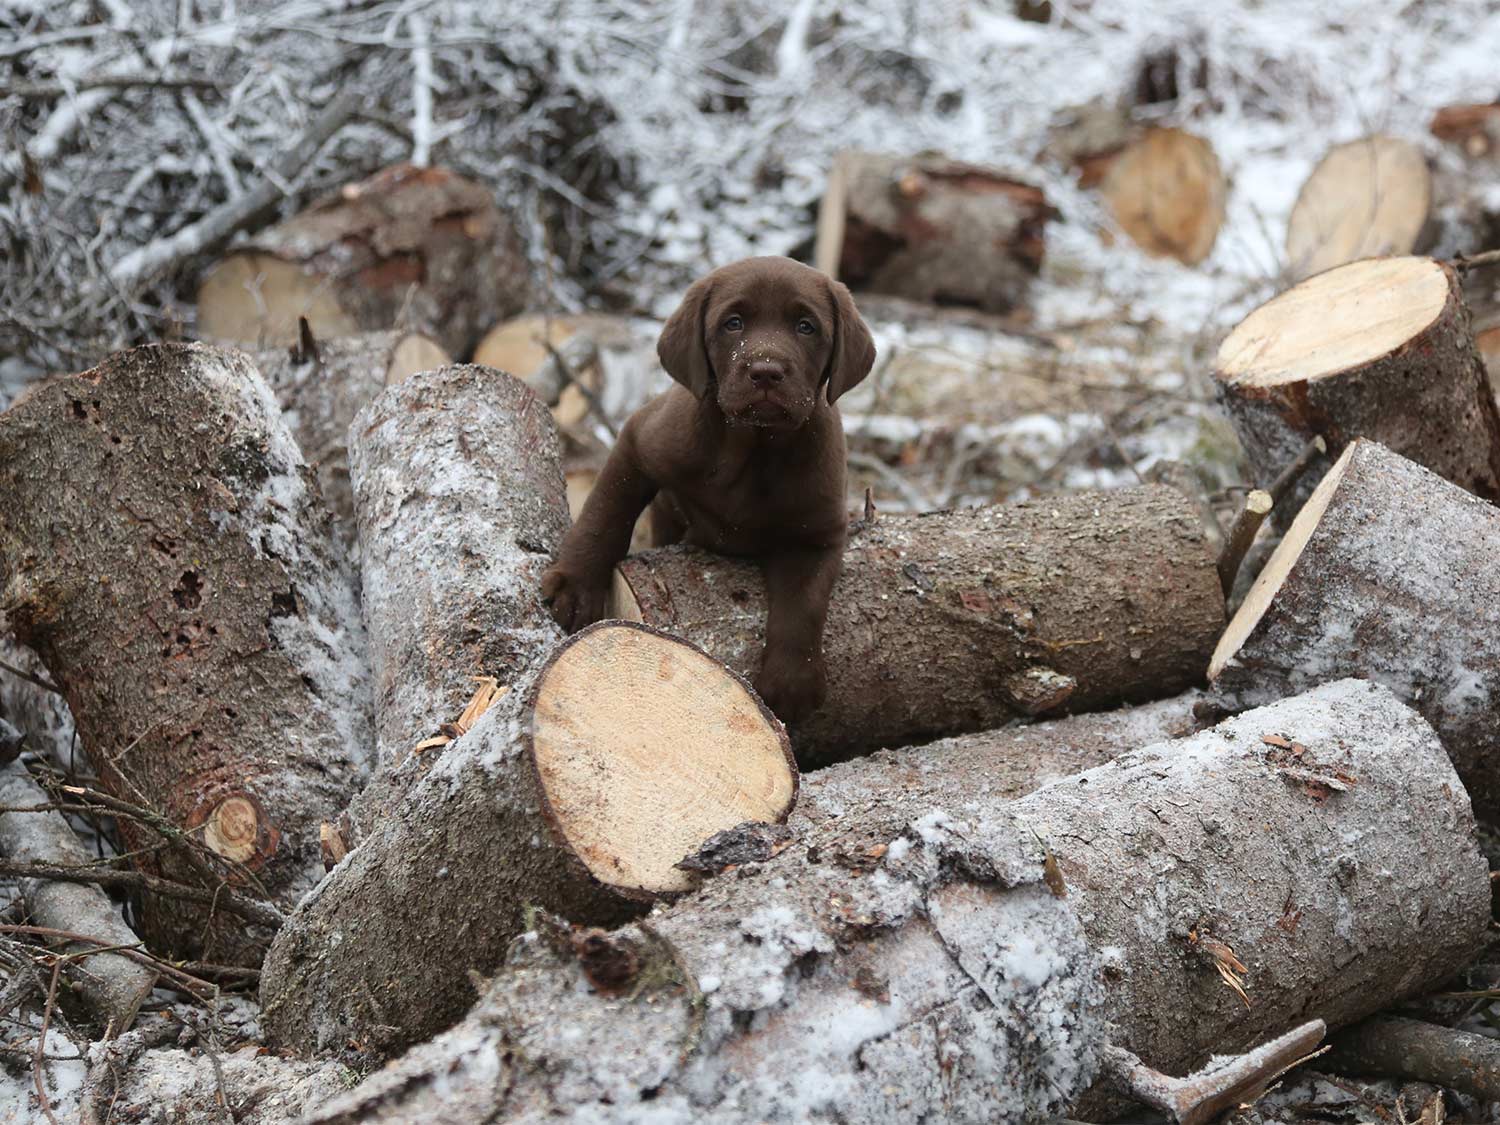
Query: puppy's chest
[(738, 508)]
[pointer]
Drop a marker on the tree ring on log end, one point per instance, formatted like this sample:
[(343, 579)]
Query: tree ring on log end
[(1339, 320), (1287, 552), (236, 827), (644, 747)]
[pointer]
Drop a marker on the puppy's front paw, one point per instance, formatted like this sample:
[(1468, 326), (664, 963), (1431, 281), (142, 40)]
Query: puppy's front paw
[(574, 601), (792, 686)]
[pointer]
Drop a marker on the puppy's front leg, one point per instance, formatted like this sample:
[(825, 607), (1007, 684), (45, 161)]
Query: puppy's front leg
[(793, 679), (576, 587)]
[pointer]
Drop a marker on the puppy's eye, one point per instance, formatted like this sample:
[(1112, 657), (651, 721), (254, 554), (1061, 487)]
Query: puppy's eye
[(734, 324), (806, 327)]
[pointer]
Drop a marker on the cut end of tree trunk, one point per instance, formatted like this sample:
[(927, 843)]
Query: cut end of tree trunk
[(1339, 320), (1167, 193), (519, 348), (633, 791), (414, 353), (1366, 198)]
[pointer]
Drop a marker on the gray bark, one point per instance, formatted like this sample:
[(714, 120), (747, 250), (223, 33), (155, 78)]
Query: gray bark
[(857, 977), (166, 555)]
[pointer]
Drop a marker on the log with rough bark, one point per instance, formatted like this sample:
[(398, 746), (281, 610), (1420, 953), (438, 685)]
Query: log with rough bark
[(322, 384), (1379, 349), (1387, 573), (416, 248), (166, 555), (577, 791), (111, 985), (961, 621), (461, 507), (931, 229), (520, 347), (908, 959), (1167, 192), (1366, 198)]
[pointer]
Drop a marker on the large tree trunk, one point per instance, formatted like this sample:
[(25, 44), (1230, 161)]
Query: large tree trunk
[(931, 229), (166, 554), (461, 506), (1379, 349), (417, 248), (1387, 573), (578, 791), (322, 384), (961, 621), (953, 972)]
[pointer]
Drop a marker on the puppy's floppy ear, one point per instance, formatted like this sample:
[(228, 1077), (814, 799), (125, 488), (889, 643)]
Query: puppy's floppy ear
[(681, 347), (853, 349)]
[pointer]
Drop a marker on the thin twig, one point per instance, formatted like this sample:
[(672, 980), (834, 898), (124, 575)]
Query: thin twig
[(1463, 263), (261, 913), (915, 498), (21, 674), (1290, 475), (569, 379), (103, 82), (1241, 534), (201, 989), (38, 1069)]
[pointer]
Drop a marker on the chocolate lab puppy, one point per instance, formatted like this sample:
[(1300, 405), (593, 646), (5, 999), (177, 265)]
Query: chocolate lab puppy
[(745, 457)]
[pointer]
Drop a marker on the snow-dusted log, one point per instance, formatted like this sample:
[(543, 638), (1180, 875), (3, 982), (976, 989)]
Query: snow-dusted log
[(419, 248), (1380, 349), (931, 229), (904, 960), (1387, 573), (461, 506), (1366, 198), (322, 384), (961, 621), (166, 555), (1167, 192), (578, 791), (113, 986)]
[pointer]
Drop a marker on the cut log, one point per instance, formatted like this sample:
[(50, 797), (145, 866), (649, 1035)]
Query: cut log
[(1366, 198), (461, 507), (321, 384), (165, 554), (1167, 192), (1343, 595), (518, 348), (946, 972), (962, 621), (931, 229), (1379, 349), (113, 986), (577, 791), (415, 248), (1089, 138)]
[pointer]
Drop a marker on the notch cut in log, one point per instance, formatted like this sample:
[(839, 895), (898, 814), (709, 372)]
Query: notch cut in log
[(1343, 595), (1380, 349), (942, 623), (578, 791), (931, 229), (1365, 199), (1167, 192), (417, 248)]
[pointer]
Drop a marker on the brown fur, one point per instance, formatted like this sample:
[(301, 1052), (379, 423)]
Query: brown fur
[(745, 457)]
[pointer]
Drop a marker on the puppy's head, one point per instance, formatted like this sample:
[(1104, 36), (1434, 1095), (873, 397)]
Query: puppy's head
[(766, 337)]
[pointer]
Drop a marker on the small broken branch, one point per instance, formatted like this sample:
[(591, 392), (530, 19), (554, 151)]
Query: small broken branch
[(1463, 263), (1246, 526), (1289, 476), (1394, 1047)]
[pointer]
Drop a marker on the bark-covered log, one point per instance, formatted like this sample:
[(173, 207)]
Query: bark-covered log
[(1167, 192), (931, 229), (904, 958), (578, 791), (322, 384), (461, 506), (1379, 349), (113, 986), (961, 621), (416, 248), (1387, 573), (166, 554), (1366, 198)]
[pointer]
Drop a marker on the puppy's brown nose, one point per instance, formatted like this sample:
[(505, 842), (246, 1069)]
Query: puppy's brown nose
[(766, 373)]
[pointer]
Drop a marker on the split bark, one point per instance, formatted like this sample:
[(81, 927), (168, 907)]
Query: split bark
[(1340, 597), (961, 621), (419, 248), (859, 975), (111, 985), (931, 229), (321, 384), (1379, 349), (1167, 192), (577, 791), (166, 555)]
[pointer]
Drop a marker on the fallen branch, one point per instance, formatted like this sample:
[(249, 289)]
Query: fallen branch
[(1392, 1047), (1241, 534)]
